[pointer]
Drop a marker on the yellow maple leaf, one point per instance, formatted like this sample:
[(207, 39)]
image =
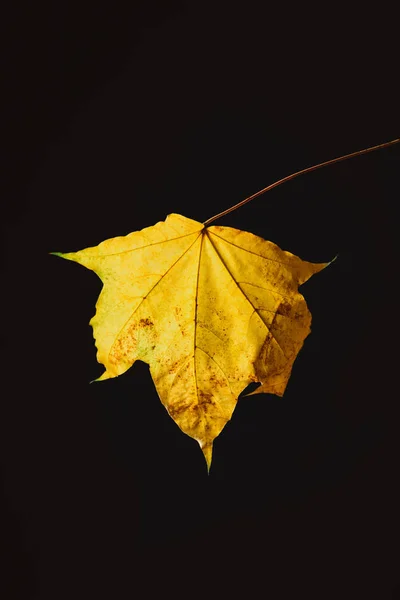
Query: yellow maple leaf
[(210, 309)]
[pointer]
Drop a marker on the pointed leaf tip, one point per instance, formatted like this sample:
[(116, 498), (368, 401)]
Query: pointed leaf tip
[(102, 377), (66, 255), (207, 451)]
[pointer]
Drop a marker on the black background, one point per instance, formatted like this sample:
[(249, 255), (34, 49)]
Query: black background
[(114, 118)]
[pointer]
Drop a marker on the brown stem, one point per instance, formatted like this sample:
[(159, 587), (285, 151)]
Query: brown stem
[(293, 175)]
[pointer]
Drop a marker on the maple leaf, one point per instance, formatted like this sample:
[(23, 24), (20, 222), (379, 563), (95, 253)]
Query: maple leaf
[(210, 309)]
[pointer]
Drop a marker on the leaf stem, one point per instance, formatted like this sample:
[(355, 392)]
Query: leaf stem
[(293, 175)]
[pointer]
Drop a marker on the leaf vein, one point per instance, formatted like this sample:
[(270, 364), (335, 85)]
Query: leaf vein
[(149, 292), (249, 251), (146, 245), (245, 295)]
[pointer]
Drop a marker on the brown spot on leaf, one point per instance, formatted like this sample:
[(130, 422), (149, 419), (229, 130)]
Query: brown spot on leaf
[(146, 322), (206, 400), (175, 366), (284, 309), (205, 397), (176, 410), (216, 381)]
